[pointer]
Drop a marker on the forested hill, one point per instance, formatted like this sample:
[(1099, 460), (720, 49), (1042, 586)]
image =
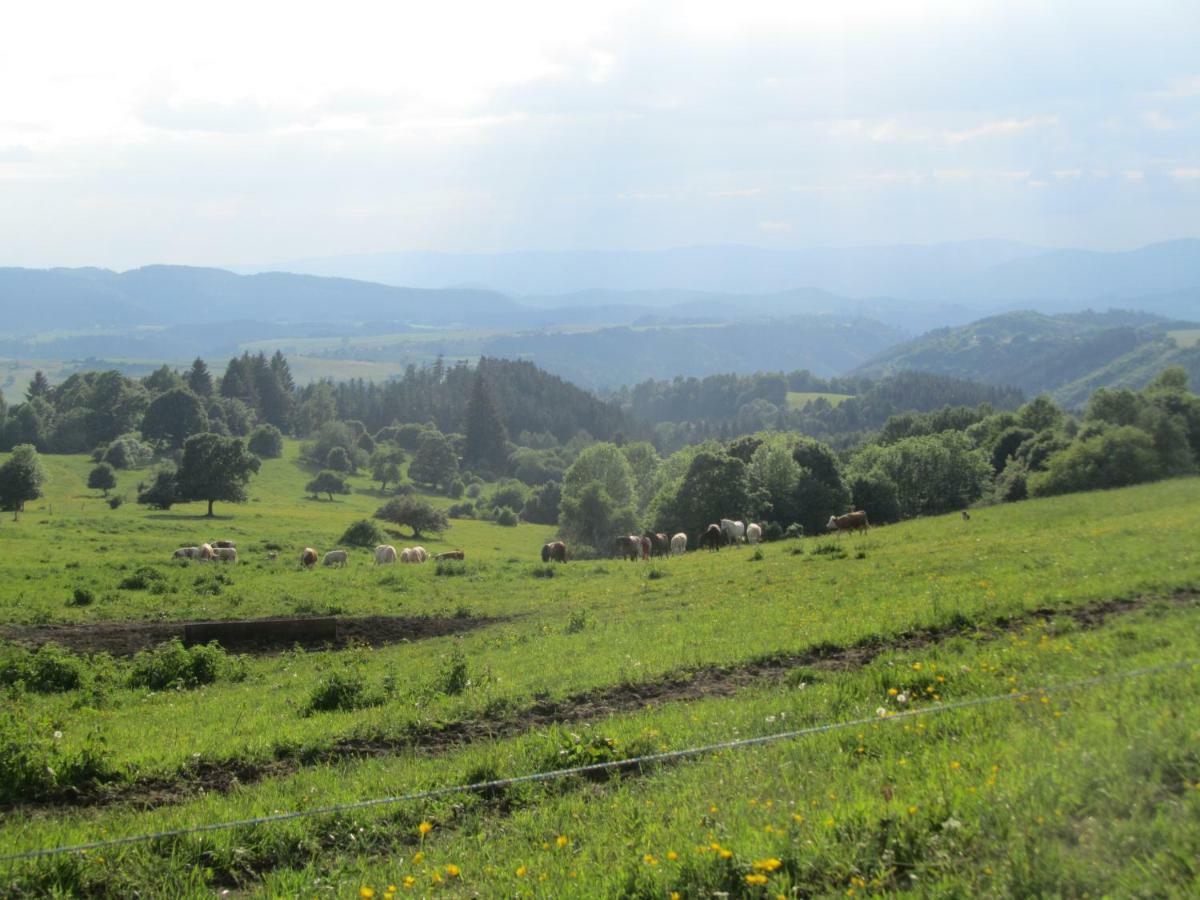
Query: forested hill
[(528, 400), (1068, 356), (51, 299), (613, 357)]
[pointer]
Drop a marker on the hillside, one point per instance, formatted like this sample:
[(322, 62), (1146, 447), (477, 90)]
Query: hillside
[(610, 358), (1067, 356)]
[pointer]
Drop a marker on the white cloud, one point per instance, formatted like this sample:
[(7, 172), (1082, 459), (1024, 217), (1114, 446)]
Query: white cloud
[(1191, 173), (1001, 127)]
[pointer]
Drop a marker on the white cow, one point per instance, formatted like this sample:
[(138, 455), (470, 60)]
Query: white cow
[(734, 532), (186, 553), (225, 554), (420, 554), (385, 553), (406, 555), (753, 533), (335, 558), (679, 544)]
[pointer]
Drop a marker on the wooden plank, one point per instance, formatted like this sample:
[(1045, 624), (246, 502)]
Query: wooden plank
[(281, 632)]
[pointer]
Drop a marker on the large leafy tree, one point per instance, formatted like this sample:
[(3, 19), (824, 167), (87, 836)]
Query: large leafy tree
[(435, 461), (173, 417), (215, 468), (21, 478), (599, 496), (102, 478), (418, 514), (328, 482), (714, 487)]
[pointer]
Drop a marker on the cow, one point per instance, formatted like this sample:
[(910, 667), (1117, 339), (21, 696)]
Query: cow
[(556, 551), (406, 555), (679, 544), (966, 516), (660, 544), (711, 537), (186, 553), (226, 554), (335, 558), (420, 554), (206, 552), (753, 533), (384, 554), (733, 532), (627, 546), (646, 546), (224, 544), (450, 554), (308, 557), (852, 521)]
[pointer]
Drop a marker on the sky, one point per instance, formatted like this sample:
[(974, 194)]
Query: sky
[(235, 133)]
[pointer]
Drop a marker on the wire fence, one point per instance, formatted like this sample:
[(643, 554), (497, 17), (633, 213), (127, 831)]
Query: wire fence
[(633, 762)]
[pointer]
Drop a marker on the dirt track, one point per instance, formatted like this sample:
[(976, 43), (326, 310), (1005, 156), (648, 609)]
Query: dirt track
[(128, 638), (224, 775)]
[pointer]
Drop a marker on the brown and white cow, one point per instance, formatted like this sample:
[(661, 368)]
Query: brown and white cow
[(556, 551), (852, 521)]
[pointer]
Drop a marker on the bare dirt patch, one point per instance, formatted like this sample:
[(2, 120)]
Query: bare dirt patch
[(128, 638)]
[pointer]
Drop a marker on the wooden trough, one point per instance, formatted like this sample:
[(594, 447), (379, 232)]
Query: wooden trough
[(260, 632)]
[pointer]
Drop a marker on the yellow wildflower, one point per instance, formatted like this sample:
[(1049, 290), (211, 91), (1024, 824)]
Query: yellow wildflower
[(366, 893), (563, 840), (756, 879), (675, 895), (424, 828), (672, 855), (649, 859), (955, 764), (725, 854), (453, 871), (892, 692), (417, 857), (409, 881), (768, 865), (521, 871)]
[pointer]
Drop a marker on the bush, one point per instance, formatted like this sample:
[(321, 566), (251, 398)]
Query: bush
[(162, 493), (450, 567), (102, 478), (455, 489), (328, 482), (127, 452), (506, 517), (454, 677), (344, 690), (48, 670), (772, 531), (116, 502), (462, 510), (172, 666), (795, 530), (338, 460), (362, 533), (33, 765), (474, 489), (141, 579), (266, 441), (82, 597)]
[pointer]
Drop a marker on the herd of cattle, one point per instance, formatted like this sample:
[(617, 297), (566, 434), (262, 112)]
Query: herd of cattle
[(626, 546)]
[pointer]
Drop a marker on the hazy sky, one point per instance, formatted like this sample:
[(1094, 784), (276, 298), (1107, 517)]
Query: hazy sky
[(255, 132)]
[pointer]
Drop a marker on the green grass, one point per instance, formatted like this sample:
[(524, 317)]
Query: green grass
[(594, 626), (801, 399), (1185, 338)]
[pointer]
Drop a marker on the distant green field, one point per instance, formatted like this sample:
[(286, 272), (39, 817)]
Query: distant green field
[(568, 671), (801, 399), (1186, 338)]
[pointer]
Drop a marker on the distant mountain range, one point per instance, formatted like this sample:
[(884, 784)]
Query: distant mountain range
[(1067, 356), (977, 276)]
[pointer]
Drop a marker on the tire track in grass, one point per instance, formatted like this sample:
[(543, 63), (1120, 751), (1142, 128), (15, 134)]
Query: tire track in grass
[(222, 776)]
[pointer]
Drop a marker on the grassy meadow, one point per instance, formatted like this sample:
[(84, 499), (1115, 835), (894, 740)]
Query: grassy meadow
[(1087, 791)]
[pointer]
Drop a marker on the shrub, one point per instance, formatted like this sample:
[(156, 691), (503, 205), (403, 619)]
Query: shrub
[(772, 531), (474, 489), (462, 510), (141, 579), (115, 502), (127, 452), (795, 530), (328, 482), (81, 597), (454, 677), (172, 666), (33, 765), (455, 489), (344, 690), (506, 517), (102, 478), (162, 493), (266, 441), (450, 567), (48, 670), (362, 533)]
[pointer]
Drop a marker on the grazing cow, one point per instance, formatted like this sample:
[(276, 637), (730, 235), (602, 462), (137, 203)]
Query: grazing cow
[(273, 555), (308, 557), (627, 546), (420, 554), (335, 558), (852, 521), (679, 544), (450, 554), (753, 533), (966, 516), (646, 546), (186, 553), (206, 552), (226, 554), (384, 554), (406, 555), (660, 544), (224, 544), (711, 538), (733, 532), (556, 551)]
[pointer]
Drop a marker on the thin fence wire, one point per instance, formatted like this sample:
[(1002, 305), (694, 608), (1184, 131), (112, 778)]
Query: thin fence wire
[(633, 762)]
